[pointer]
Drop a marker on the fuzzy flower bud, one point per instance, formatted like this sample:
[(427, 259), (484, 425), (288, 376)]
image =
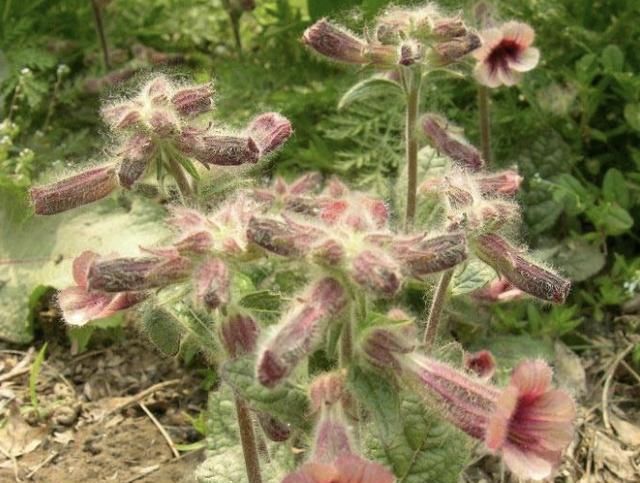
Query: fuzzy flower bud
[(212, 283), (122, 116), (505, 183), (449, 51), (282, 238), (157, 91), (77, 190), (141, 273), (430, 255), (381, 346), (193, 100), (528, 423), (411, 52), (523, 274), (299, 332), (327, 389), (218, 149), (456, 148), (134, 159), (375, 271), (80, 305), (335, 43), (239, 334), (481, 363), (269, 131), (328, 252), (273, 428)]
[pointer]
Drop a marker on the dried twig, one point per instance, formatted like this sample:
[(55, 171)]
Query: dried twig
[(607, 384), (163, 431), (22, 367), (44, 463), (141, 395), (14, 461), (142, 474)]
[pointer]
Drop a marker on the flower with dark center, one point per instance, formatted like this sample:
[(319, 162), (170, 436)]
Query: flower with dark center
[(506, 52)]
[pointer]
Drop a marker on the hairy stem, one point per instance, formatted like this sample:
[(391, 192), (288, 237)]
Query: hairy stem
[(181, 179), (435, 310), (248, 440), (412, 88), (97, 13), (485, 123)]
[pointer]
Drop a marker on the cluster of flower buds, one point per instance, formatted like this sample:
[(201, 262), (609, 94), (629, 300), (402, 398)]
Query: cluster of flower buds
[(479, 205), (333, 457), (157, 127), (402, 37), (528, 422)]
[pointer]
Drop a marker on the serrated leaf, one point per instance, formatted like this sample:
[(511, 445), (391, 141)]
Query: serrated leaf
[(471, 276), (375, 86), (287, 402), (39, 250), (614, 188), (578, 260), (408, 438)]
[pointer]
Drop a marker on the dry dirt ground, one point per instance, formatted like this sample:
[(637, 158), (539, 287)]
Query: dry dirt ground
[(101, 414)]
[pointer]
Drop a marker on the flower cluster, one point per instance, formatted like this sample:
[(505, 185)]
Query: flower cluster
[(158, 128)]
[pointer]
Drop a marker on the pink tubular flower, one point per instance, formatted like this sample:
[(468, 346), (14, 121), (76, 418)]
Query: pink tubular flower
[(455, 147), (269, 131), (212, 283), (481, 363), (506, 53), (523, 274), (498, 290), (505, 183), (80, 305), (528, 423), (299, 332), (77, 190)]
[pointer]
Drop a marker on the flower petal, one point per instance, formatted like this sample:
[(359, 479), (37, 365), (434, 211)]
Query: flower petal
[(508, 77), (484, 76), (498, 427), (522, 33), (526, 61), (490, 38), (532, 377), (526, 465), (81, 265)]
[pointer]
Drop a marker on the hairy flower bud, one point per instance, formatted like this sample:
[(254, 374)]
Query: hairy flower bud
[(456, 148), (335, 43), (328, 252), (523, 274), (282, 238), (430, 255), (219, 149), (505, 183), (327, 389), (134, 274), (411, 52), (134, 155), (77, 190), (269, 131), (163, 122), (375, 271), (193, 100), (381, 346), (453, 50), (239, 334), (300, 330), (212, 283), (448, 28), (273, 428), (157, 91), (122, 116), (481, 363)]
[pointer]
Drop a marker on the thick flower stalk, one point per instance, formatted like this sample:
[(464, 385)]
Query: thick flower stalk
[(505, 54)]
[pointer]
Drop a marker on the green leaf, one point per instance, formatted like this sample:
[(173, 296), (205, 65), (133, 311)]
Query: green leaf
[(578, 260), (322, 8), (571, 193), (408, 438), (163, 329), (287, 402), (375, 86), (34, 373), (543, 215), (261, 301), (612, 58), (38, 251), (610, 218), (614, 188), (471, 276), (80, 336), (632, 115)]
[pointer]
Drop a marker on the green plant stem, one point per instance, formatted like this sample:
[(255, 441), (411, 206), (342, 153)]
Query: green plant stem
[(234, 17), (97, 13), (248, 440), (435, 310), (181, 180), (485, 123), (412, 89)]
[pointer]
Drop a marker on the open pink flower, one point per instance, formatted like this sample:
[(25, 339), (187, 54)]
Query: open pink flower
[(80, 305), (506, 52), (532, 423)]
